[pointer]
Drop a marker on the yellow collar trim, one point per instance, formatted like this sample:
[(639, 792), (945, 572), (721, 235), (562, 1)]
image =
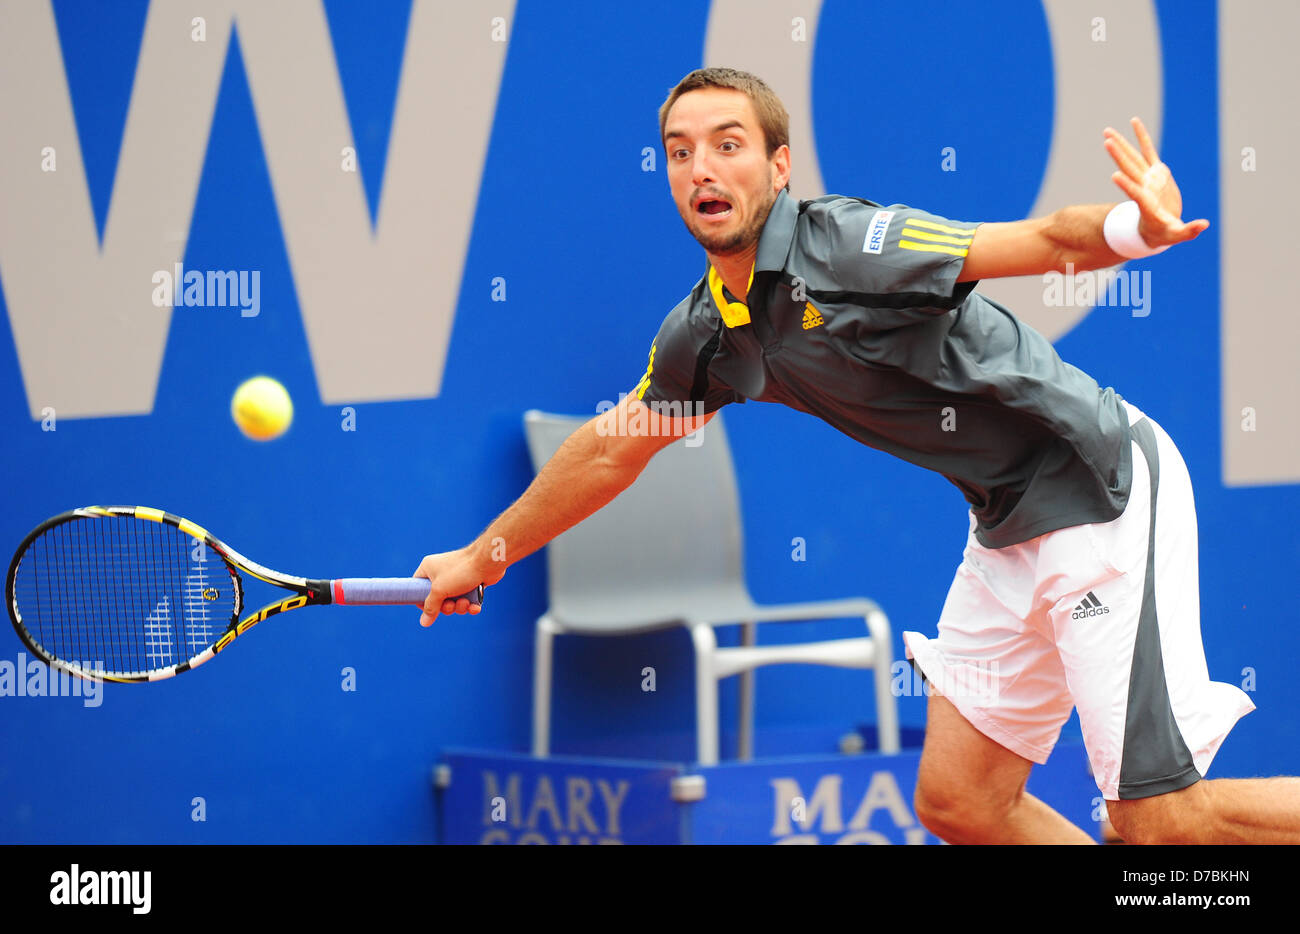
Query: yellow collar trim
[(734, 314)]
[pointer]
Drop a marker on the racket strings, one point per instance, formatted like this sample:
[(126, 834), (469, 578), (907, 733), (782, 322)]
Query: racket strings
[(120, 595)]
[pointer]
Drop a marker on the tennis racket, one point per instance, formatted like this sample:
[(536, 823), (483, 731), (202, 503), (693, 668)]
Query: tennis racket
[(130, 594)]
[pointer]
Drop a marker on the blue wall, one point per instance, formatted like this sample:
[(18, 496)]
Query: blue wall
[(267, 736)]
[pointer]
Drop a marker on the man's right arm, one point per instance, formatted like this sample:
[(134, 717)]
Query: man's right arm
[(593, 466)]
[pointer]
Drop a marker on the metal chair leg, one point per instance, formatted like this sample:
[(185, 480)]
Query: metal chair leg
[(544, 643), (748, 636), (706, 694)]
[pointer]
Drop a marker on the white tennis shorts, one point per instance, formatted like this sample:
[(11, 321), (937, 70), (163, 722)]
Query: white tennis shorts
[(1105, 617)]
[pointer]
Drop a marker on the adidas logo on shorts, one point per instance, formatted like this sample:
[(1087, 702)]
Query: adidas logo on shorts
[(1090, 606)]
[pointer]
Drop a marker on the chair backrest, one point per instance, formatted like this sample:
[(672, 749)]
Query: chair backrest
[(669, 542)]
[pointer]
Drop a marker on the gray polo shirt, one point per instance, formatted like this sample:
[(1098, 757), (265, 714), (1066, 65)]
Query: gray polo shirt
[(855, 315)]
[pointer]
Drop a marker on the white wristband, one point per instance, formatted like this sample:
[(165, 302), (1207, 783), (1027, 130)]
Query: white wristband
[(1121, 232)]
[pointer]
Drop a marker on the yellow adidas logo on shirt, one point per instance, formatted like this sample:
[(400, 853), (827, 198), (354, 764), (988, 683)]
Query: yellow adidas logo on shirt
[(812, 318)]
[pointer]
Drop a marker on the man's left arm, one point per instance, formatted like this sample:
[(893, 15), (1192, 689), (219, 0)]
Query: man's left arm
[(1073, 236)]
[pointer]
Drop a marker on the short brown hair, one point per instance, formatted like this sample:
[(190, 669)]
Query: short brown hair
[(771, 113)]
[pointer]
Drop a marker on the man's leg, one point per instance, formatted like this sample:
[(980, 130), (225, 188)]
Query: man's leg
[(972, 790), (1225, 810), (994, 665)]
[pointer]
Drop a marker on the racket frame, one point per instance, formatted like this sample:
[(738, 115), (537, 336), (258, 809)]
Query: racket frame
[(306, 592)]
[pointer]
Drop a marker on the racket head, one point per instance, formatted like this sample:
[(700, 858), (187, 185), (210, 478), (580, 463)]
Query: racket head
[(122, 593)]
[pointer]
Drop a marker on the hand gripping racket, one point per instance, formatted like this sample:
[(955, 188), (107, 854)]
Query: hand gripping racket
[(129, 593)]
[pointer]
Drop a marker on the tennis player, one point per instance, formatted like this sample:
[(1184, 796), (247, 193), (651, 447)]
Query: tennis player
[(1078, 586)]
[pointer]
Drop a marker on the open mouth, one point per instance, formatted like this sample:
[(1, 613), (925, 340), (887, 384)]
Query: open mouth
[(710, 207)]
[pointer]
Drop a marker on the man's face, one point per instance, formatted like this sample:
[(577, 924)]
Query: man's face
[(721, 178)]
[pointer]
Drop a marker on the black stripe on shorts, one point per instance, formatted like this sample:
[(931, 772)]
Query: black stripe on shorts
[(1155, 758)]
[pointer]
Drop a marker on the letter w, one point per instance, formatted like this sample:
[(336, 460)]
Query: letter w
[(89, 339)]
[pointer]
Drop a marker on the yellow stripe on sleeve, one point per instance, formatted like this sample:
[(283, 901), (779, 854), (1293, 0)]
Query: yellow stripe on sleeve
[(642, 386), (936, 238), (930, 248), (942, 228)]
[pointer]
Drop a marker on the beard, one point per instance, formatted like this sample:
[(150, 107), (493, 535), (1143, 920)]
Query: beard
[(725, 244)]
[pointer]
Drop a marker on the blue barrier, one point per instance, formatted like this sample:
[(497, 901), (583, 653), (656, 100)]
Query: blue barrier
[(493, 797)]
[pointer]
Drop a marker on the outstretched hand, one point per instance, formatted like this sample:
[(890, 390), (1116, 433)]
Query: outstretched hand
[(1148, 181)]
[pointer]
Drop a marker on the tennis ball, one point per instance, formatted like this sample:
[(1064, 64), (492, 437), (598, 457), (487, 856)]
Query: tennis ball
[(262, 408)]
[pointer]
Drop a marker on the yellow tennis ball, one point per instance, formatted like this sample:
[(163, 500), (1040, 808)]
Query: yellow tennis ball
[(262, 408)]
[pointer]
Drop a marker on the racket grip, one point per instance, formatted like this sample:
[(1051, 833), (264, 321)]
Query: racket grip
[(389, 591)]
